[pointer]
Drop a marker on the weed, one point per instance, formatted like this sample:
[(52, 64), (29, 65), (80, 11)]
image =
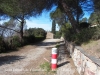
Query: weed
[(57, 45), (45, 66)]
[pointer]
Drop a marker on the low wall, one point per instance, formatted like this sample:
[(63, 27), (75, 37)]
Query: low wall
[(86, 65)]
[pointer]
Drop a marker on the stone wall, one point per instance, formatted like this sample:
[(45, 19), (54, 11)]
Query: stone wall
[(86, 64)]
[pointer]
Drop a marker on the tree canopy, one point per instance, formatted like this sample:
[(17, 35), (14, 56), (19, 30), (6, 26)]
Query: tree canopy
[(94, 18), (23, 9), (26, 8)]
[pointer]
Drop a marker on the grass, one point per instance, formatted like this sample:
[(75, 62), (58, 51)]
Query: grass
[(90, 43), (57, 45), (92, 48), (46, 66)]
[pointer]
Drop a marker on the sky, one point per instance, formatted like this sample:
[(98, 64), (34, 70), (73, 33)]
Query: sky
[(43, 21)]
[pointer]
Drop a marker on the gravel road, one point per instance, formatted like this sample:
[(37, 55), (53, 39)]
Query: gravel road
[(26, 58)]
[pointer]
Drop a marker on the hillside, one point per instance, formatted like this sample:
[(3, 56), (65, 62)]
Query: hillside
[(92, 48)]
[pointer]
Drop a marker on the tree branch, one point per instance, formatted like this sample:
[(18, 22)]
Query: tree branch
[(9, 28)]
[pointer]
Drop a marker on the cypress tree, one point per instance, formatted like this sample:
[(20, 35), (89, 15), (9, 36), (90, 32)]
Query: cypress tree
[(53, 27)]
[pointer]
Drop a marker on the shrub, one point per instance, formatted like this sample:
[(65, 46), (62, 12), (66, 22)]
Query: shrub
[(2, 48), (34, 35), (29, 39), (84, 36), (32, 39), (84, 25), (15, 42), (57, 34), (96, 34)]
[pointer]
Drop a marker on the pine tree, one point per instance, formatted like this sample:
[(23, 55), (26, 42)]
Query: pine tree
[(53, 27)]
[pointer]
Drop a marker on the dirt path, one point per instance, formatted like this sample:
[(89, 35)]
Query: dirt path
[(27, 59), (65, 63)]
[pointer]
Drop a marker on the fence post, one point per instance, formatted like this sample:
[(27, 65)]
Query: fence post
[(54, 59)]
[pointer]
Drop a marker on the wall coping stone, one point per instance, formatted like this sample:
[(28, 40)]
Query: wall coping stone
[(95, 60)]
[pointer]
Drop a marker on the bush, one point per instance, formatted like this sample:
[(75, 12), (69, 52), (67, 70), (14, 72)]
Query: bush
[(36, 32), (2, 48), (15, 42), (96, 34), (29, 39), (84, 25), (32, 39), (39, 38), (34, 35), (31, 36), (84, 36), (57, 34)]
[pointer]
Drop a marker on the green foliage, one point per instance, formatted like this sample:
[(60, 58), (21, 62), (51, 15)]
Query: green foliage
[(33, 35), (15, 42), (37, 32), (57, 35), (53, 27), (94, 18), (45, 66), (65, 30), (12, 42), (32, 39), (84, 36), (96, 4), (84, 19), (29, 39), (21, 10), (96, 35), (58, 16), (57, 45), (2, 48), (84, 25)]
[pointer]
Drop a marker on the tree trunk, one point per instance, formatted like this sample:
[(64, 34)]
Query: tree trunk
[(21, 30), (70, 15)]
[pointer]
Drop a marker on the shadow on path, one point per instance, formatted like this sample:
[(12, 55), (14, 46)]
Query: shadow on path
[(64, 63), (47, 43), (9, 59)]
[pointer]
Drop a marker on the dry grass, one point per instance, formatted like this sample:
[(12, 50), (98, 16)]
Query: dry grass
[(92, 48)]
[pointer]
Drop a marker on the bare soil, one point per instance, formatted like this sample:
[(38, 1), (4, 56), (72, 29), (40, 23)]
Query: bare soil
[(27, 60), (92, 48)]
